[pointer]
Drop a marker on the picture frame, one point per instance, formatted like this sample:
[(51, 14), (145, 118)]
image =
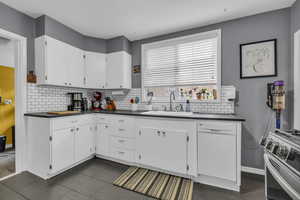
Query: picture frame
[(258, 59)]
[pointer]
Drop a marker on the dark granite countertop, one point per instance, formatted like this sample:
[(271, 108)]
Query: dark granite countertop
[(203, 116)]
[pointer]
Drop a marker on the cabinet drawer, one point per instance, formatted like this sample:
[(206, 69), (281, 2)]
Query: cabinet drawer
[(122, 143), (121, 154), (226, 127), (67, 122)]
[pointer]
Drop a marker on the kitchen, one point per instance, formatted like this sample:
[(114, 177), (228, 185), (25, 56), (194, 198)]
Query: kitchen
[(160, 121)]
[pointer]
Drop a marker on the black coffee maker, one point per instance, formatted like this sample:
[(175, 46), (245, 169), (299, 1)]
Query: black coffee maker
[(76, 101)]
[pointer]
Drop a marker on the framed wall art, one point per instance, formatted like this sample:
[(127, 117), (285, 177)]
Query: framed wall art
[(258, 59)]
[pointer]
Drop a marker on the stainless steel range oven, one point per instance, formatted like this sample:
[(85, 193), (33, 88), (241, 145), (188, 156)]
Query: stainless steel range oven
[(282, 165)]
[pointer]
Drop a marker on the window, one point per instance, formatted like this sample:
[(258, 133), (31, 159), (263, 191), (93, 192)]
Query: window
[(190, 62)]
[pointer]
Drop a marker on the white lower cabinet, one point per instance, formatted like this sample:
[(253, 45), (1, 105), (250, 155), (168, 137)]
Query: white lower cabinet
[(55, 145), (102, 138), (163, 148), (62, 149), (164, 144), (84, 141), (207, 151)]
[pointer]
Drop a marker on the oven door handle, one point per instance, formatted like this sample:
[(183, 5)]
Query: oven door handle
[(280, 180)]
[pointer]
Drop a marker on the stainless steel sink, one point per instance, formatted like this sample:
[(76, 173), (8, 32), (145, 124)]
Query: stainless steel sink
[(168, 113)]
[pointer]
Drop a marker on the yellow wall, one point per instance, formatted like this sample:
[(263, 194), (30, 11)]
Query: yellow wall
[(7, 112)]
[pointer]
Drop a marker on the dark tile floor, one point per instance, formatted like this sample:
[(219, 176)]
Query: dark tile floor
[(93, 180)]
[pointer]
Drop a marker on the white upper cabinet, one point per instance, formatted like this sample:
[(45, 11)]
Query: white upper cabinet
[(118, 70), (76, 70), (58, 63), (61, 64), (95, 66), (51, 62)]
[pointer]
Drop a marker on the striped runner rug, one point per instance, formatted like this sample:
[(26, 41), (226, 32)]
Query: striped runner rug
[(155, 184)]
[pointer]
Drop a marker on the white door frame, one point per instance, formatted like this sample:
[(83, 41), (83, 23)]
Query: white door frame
[(296, 79), (20, 97)]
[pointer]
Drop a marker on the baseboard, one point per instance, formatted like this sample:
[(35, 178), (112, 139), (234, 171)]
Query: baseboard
[(7, 146), (252, 170)]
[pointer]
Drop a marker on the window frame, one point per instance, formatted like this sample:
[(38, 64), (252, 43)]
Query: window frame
[(187, 38)]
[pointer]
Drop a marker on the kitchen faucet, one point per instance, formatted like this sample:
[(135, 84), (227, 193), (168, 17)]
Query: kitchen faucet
[(172, 94)]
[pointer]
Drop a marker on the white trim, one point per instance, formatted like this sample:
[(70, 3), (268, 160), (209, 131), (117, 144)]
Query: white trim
[(21, 96), (252, 170), (296, 117), (7, 146), (8, 176)]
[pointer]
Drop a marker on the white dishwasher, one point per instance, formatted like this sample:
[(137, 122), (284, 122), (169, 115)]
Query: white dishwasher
[(217, 150)]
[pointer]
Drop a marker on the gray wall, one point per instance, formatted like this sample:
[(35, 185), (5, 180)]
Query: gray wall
[(47, 26), (252, 92), (295, 26), (19, 23), (118, 44)]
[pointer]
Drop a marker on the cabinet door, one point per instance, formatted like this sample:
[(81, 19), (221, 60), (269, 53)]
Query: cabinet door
[(56, 62), (173, 146), (164, 149), (102, 138), (148, 147), (62, 149), (95, 66), (84, 139), (118, 70), (75, 67), (217, 154)]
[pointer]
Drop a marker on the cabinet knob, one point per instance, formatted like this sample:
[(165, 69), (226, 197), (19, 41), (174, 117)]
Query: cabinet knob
[(158, 133), (121, 86), (72, 130), (164, 133), (106, 126), (77, 129)]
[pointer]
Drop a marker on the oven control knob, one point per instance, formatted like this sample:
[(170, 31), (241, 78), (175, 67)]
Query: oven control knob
[(269, 145), (282, 152), (292, 155), (275, 147)]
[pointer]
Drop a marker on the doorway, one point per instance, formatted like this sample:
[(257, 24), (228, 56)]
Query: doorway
[(13, 70), (7, 107)]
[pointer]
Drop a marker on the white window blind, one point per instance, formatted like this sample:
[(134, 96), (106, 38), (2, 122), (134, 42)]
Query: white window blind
[(191, 60)]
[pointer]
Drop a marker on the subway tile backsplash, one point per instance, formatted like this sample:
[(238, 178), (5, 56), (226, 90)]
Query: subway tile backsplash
[(52, 98), (49, 98)]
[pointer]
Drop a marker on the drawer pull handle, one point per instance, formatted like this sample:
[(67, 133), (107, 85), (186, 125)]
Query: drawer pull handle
[(72, 130), (121, 141), (121, 120), (121, 152), (75, 121), (121, 129)]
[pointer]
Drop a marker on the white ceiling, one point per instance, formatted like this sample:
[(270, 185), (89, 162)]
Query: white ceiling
[(138, 19)]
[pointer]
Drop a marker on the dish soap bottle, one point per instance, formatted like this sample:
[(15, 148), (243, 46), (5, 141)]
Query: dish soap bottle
[(188, 106)]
